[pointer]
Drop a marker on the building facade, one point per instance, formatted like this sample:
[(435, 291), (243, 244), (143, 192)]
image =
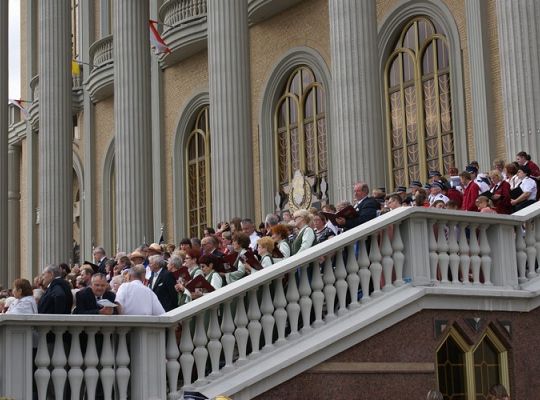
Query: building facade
[(139, 143)]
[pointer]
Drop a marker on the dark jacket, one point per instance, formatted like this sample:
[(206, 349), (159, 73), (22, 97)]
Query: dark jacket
[(366, 211), (86, 302), (164, 290), (57, 299)]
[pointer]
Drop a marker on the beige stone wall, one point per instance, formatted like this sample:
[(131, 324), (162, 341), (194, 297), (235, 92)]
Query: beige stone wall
[(307, 24), (104, 133), (25, 209), (180, 82)]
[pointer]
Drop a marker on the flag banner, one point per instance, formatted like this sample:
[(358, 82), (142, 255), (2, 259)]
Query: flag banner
[(156, 42), (75, 68), (18, 104)]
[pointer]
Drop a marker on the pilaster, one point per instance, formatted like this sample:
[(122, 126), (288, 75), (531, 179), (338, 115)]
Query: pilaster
[(14, 213), (518, 47), (133, 161), (231, 136), (356, 103), (4, 244), (56, 137), (480, 74)]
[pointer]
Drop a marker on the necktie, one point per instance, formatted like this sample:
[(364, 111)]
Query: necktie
[(151, 281)]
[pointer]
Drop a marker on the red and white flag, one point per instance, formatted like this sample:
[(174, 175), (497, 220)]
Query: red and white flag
[(18, 104), (156, 41)]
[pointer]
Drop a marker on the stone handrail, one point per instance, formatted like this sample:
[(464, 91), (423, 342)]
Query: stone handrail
[(101, 52), (223, 330), (176, 12)]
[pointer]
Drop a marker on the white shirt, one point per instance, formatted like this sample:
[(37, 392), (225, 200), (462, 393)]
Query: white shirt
[(25, 305), (284, 247), (438, 196), (529, 185), (137, 299), (253, 241), (308, 237)]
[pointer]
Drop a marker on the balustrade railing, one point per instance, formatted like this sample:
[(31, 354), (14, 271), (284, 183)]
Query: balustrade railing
[(176, 12), (209, 337), (101, 52)]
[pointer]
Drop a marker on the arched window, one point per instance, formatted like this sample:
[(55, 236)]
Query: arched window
[(197, 156), (420, 134), (300, 130), (465, 372)]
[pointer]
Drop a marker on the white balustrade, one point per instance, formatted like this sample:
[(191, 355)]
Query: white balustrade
[(42, 360), (464, 256), (530, 241), (442, 250), (433, 256), (107, 374), (280, 314), (254, 325), (353, 280), (241, 332), (91, 360), (341, 284), (375, 267), (485, 253), (186, 348), (387, 260), (453, 249), (201, 352), (267, 320), (304, 290), (329, 289), (214, 344), (317, 296), (122, 361), (475, 254), (364, 272), (75, 361), (173, 366), (397, 255), (227, 339), (521, 255), (177, 12), (293, 308)]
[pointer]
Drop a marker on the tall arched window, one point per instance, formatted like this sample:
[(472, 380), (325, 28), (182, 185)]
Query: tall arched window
[(420, 135), (300, 130), (451, 367), (197, 156)]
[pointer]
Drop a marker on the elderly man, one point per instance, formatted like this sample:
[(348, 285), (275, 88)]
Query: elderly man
[(249, 229), (57, 299), (135, 298), (162, 283), (87, 298), (100, 258), (366, 207), (209, 246)]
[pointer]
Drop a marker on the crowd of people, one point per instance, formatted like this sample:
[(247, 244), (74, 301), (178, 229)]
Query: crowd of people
[(154, 279)]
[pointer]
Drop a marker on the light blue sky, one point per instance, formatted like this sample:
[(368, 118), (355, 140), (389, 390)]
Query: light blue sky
[(14, 49)]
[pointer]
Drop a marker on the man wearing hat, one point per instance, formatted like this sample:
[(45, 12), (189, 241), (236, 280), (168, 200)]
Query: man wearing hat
[(405, 198), (434, 176), (436, 193), (414, 186)]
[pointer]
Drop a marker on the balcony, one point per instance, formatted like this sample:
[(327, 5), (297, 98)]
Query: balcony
[(100, 82), (337, 294)]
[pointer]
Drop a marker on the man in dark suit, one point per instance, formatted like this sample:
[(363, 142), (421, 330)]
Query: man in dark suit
[(87, 298), (100, 258), (162, 283), (57, 298), (366, 207)]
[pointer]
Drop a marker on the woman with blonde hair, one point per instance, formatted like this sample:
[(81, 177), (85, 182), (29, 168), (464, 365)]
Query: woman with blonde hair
[(306, 235), (265, 246)]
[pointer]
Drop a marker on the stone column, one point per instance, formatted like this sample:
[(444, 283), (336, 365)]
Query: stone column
[(133, 155), (14, 213), (357, 150), (480, 73), (55, 133), (520, 69), (230, 99), (4, 244)]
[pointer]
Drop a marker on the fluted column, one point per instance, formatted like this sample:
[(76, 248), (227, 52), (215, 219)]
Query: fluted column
[(356, 103), (14, 213), (231, 141), (55, 135), (4, 245), (520, 68), (480, 72), (133, 156)]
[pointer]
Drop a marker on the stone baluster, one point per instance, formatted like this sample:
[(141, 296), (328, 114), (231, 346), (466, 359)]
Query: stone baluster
[(433, 256), (442, 250), (254, 325), (91, 360), (59, 360), (267, 320), (107, 363), (201, 352), (186, 349), (293, 309), (172, 366), (227, 339), (530, 241), (364, 272), (453, 248), (305, 300), (475, 257), (375, 265), (214, 345), (387, 261), (353, 280), (42, 360), (485, 252), (341, 284), (280, 314), (241, 333), (75, 361), (464, 257), (317, 296), (397, 255), (329, 289), (122, 361), (521, 255)]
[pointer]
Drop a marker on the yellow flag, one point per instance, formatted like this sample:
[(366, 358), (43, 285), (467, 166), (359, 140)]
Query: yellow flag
[(75, 68)]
